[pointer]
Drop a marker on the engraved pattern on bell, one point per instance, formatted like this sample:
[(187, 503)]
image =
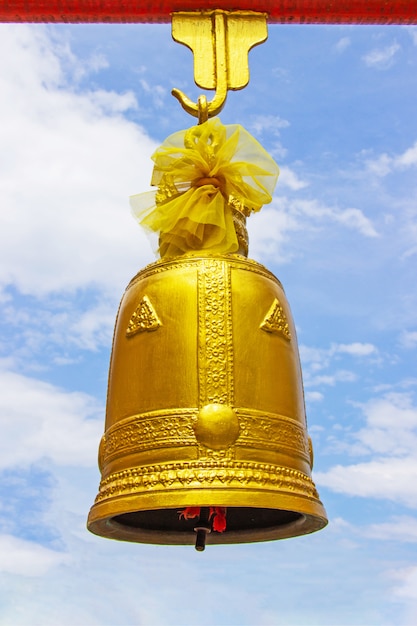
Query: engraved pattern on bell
[(144, 318), (276, 321), (224, 472)]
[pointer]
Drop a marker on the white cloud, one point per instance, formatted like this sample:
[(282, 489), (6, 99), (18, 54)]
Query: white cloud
[(407, 158), (27, 558), (158, 92), (390, 438), (380, 166), (314, 396), (411, 251), (39, 421), (408, 339), (408, 586), (398, 528), (311, 355), (272, 124), (405, 591), (93, 327), (355, 220), (392, 411), (402, 528), (350, 218), (339, 376), (288, 178), (343, 44), (354, 349), (77, 68), (110, 102), (413, 33), (70, 162), (385, 164), (60, 325), (316, 360), (387, 479), (270, 229), (277, 151), (382, 58)]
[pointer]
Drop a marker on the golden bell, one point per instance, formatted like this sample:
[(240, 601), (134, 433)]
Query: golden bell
[(205, 409)]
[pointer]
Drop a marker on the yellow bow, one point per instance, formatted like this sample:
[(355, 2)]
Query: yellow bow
[(198, 172)]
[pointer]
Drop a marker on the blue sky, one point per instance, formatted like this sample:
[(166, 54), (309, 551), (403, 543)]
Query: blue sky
[(82, 109)]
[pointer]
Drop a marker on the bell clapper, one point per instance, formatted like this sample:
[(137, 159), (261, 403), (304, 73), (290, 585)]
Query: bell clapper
[(202, 529)]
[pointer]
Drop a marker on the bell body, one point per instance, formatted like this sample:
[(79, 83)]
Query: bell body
[(205, 408)]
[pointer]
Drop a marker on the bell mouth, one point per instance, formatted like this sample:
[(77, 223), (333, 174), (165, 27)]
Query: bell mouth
[(239, 519), (244, 524)]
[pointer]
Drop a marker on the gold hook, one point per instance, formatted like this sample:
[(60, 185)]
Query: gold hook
[(220, 41), (203, 109)]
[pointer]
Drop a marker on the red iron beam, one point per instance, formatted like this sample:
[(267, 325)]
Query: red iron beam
[(159, 11)]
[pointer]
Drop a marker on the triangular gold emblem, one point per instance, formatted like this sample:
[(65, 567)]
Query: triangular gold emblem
[(276, 321), (143, 319)]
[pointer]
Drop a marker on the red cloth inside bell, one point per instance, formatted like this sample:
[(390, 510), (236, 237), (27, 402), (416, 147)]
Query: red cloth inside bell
[(217, 515)]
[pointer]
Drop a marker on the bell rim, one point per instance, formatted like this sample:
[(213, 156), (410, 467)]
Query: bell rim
[(311, 516)]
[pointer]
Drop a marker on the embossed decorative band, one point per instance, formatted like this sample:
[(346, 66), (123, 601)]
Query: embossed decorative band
[(272, 432), (162, 429), (199, 474), (176, 427), (234, 261), (215, 345)]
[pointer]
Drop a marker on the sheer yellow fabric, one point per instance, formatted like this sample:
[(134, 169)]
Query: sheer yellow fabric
[(197, 172)]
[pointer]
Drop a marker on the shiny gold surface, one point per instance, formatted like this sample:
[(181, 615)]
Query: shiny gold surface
[(220, 42), (205, 407)]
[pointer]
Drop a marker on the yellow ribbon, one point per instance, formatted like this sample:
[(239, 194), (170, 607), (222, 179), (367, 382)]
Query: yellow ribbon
[(197, 172)]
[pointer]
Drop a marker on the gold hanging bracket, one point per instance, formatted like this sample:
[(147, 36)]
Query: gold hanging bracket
[(220, 42)]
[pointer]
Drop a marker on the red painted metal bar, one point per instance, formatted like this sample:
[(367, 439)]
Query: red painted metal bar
[(279, 11)]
